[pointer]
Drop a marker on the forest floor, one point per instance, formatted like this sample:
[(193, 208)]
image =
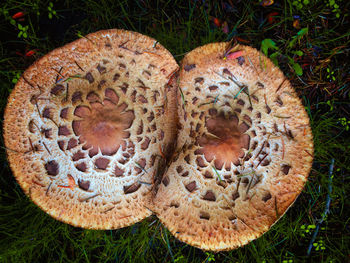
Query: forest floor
[(308, 39)]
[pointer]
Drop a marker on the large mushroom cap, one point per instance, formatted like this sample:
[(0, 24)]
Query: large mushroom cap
[(244, 149), (85, 125)]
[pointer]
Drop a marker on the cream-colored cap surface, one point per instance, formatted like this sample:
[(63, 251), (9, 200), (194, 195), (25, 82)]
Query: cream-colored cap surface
[(86, 124), (244, 149)]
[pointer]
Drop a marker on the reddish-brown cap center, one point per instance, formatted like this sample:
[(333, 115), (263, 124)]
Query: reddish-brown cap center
[(225, 141), (102, 126)]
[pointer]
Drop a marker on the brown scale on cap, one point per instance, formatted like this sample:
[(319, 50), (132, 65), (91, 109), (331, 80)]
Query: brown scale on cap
[(96, 92), (238, 166)]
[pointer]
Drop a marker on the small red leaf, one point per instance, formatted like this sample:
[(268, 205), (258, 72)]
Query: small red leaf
[(241, 40), (30, 53), (18, 15), (235, 55), (217, 22), (271, 17)]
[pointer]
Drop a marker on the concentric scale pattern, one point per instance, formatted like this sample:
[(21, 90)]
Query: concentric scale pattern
[(87, 125), (244, 149), (98, 135)]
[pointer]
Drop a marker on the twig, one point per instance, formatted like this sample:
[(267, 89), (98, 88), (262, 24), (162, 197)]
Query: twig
[(109, 209), (262, 147), (250, 183), (31, 144), (47, 149), (282, 147), (58, 74), (150, 53), (140, 167), (278, 88), (30, 84), (308, 153), (326, 210), (89, 197), (282, 117), (48, 188), (79, 66), (262, 160), (232, 79), (247, 93)]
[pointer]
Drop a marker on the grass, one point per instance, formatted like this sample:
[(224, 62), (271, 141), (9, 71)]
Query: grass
[(29, 235)]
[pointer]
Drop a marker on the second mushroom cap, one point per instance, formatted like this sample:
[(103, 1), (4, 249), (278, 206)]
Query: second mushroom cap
[(244, 149), (85, 124)]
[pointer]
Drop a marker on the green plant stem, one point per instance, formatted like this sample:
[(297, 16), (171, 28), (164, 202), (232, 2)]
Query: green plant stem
[(326, 210)]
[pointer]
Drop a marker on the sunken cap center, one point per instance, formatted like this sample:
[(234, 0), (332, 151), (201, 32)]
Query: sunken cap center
[(224, 141), (103, 126)]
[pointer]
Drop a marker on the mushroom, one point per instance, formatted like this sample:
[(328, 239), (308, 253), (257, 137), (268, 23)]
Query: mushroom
[(244, 149), (86, 125)]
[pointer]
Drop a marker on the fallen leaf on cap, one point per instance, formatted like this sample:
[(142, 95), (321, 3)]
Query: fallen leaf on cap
[(235, 55), (71, 183)]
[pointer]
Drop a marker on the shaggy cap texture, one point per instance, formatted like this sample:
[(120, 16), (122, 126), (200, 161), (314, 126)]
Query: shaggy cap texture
[(85, 124), (244, 149)]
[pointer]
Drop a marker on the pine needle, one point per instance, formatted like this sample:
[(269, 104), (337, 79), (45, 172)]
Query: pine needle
[(217, 173)]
